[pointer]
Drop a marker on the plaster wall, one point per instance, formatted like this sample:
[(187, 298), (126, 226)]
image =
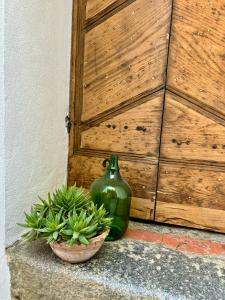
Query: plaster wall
[(37, 66), (4, 272)]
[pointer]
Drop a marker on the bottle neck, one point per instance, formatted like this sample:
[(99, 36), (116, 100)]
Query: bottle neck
[(112, 171), (113, 174)]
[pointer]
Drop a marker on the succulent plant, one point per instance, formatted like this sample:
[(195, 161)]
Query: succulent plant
[(68, 215)]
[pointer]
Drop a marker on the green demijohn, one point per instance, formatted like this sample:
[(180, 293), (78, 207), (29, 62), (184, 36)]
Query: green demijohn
[(115, 194)]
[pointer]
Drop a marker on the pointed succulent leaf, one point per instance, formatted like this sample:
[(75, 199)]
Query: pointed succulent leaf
[(75, 235), (68, 232), (83, 240), (89, 229), (23, 225), (55, 235)]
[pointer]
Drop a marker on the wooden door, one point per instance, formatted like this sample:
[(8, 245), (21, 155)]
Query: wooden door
[(191, 189), (147, 83), (119, 58)]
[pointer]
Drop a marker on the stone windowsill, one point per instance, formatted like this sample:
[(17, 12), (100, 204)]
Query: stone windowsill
[(136, 267)]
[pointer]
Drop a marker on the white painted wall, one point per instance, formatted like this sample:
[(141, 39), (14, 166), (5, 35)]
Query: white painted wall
[(37, 65), (4, 273), (36, 99)]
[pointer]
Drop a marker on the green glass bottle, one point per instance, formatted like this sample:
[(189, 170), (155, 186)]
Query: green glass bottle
[(115, 194)]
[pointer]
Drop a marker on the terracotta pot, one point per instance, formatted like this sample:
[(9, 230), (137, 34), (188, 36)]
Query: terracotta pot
[(79, 253)]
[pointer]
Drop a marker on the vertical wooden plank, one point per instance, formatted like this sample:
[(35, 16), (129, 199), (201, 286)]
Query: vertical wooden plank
[(73, 78), (190, 187), (79, 70)]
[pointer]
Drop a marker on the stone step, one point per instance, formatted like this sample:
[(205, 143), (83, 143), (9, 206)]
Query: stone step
[(124, 269)]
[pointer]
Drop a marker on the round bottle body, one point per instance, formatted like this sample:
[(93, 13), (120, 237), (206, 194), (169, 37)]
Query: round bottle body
[(115, 194)]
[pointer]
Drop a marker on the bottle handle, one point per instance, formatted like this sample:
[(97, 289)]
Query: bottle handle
[(104, 163)]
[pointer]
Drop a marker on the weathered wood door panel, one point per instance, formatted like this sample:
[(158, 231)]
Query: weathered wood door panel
[(125, 56), (191, 195), (136, 130), (191, 190), (191, 133), (119, 60), (197, 55)]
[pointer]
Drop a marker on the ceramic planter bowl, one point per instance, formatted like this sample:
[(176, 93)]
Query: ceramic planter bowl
[(79, 253)]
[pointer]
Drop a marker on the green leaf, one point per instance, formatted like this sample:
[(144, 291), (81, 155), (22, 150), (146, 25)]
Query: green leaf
[(23, 225), (67, 231), (50, 239), (83, 240), (91, 235), (89, 229), (44, 230), (76, 235), (61, 225), (71, 242), (55, 235)]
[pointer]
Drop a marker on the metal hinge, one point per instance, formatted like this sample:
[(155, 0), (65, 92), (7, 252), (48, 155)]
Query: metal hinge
[(68, 123)]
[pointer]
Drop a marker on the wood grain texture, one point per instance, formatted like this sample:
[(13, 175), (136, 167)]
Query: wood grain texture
[(78, 56), (141, 176), (192, 185), (191, 196), (190, 216), (119, 58), (73, 78), (188, 134), (197, 53), (95, 6), (142, 208), (134, 131), (125, 55), (107, 11)]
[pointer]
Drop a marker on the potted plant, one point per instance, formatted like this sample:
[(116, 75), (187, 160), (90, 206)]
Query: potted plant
[(70, 222)]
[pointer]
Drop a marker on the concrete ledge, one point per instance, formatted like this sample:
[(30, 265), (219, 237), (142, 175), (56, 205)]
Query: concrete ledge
[(125, 269)]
